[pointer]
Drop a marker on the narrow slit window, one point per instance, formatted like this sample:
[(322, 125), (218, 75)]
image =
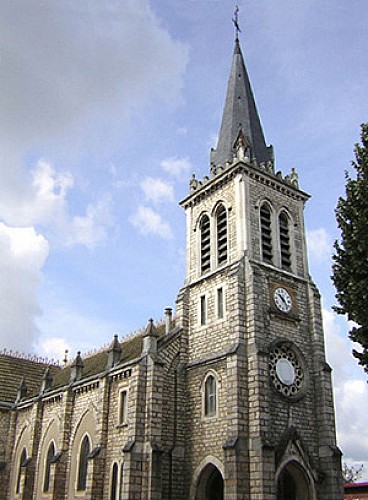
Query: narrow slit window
[(121, 485), (210, 396), (205, 244), (284, 241), (220, 303), (221, 222), (49, 461), (114, 482), (83, 464), (123, 407), (266, 233), (203, 310), (22, 461)]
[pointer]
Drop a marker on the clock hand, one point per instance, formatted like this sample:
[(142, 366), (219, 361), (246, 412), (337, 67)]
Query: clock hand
[(282, 298)]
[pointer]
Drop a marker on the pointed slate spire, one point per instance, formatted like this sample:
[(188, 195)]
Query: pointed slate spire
[(240, 117)]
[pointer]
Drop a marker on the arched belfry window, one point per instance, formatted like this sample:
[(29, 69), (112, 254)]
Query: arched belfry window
[(49, 460), (85, 450), (221, 228), (266, 233), (210, 396), (205, 244), (284, 232)]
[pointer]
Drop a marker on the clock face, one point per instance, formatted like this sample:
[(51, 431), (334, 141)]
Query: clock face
[(282, 300)]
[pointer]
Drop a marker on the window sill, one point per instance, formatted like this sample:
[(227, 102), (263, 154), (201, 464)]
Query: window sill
[(209, 418), (121, 426)]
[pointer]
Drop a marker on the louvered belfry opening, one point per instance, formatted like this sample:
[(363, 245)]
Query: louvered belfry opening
[(284, 241), (221, 235), (266, 234), (205, 244)]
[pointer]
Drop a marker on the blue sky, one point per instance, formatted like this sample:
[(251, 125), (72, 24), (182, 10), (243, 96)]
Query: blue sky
[(107, 109)]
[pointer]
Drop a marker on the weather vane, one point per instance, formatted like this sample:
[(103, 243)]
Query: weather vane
[(235, 21)]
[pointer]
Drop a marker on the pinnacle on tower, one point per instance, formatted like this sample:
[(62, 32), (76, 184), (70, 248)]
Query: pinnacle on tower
[(240, 118)]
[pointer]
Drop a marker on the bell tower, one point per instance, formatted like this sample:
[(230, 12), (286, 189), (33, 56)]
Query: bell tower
[(260, 415)]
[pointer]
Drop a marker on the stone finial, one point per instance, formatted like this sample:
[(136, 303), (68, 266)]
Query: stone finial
[(22, 390), (47, 380), (150, 330), (76, 368), (213, 170), (168, 319), (193, 183), (294, 177), (114, 352), (150, 339)]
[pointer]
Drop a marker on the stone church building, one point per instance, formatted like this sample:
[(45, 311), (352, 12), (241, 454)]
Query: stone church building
[(230, 397)]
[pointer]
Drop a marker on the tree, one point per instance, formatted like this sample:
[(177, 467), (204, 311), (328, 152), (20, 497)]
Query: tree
[(351, 473), (350, 268)]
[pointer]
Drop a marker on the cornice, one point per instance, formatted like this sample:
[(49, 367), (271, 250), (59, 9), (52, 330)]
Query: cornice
[(253, 171)]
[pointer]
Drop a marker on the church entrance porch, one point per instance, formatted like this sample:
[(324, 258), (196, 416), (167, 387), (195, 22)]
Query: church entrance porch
[(293, 483), (210, 484)]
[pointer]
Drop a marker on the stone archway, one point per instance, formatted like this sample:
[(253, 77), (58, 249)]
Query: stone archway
[(210, 484), (293, 483)]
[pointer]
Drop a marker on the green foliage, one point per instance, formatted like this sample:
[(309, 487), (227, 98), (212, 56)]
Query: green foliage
[(351, 473), (350, 268)]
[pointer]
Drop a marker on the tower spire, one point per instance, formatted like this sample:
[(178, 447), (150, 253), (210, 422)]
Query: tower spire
[(240, 116)]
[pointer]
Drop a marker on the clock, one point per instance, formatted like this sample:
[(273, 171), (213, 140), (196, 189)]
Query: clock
[(282, 300)]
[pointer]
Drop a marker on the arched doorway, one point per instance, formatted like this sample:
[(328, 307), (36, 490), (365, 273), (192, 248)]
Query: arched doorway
[(293, 483), (210, 484)]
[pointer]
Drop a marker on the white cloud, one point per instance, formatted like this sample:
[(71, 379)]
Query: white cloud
[(85, 56), (92, 228), (46, 205), (319, 245), (147, 221), (63, 326), (39, 200), (350, 390), (83, 66), (176, 166), (53, 348), (23, 253), (157, 190)]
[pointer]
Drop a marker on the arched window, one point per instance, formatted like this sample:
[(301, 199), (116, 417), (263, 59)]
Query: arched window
[(210, 396), (83, 463), (205, 244), (22, 463), (284, 241), (266, 233), (221, 228), (114, 482), (49, 460)]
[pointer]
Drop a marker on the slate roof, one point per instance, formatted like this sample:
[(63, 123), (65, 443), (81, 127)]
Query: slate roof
[(240, 114), (13, 369), (97, 362)]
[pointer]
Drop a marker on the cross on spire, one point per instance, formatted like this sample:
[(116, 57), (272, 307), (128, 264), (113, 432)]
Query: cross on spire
[(236, 22)]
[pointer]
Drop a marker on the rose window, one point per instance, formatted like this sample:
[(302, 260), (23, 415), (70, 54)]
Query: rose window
[(285, 370)]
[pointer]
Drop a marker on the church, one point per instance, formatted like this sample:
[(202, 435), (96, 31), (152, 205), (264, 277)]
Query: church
[(230, 397)]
